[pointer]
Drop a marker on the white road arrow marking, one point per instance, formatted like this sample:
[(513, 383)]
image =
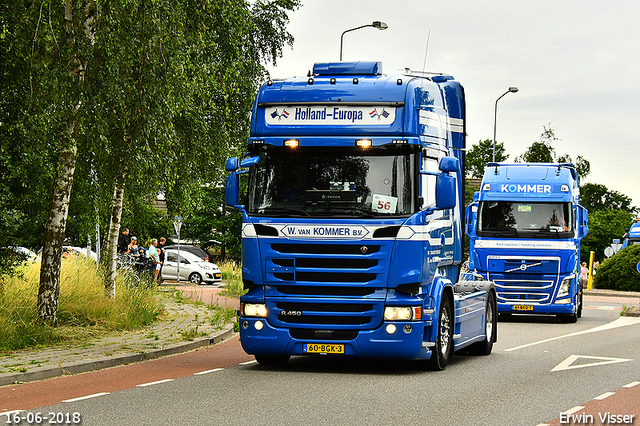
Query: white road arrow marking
[(566, 364), (620, 322)]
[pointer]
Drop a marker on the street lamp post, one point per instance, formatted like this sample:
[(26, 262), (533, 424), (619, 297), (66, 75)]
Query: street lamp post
[(495, 118), (376, 24)]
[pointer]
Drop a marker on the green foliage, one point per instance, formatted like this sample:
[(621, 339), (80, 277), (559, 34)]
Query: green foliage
[(620, 271), (604, 225), (480, 155), (595, 196), (167, 95), (542, 151), (207, 218)]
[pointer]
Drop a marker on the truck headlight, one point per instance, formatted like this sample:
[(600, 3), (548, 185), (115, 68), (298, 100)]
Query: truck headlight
[(564, 287), (254, 310), (395, 313)]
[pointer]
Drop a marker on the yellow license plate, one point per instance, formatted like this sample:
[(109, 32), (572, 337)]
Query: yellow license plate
[(522, 308), (323, 348)]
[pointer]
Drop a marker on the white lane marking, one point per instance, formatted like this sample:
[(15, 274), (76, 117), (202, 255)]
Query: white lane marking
[(574, 409), (620, 322), (155, 383), (566, 364), (632, 384), (604, 395), (249, 362), (95, 395), (606, 308), (208, 371)]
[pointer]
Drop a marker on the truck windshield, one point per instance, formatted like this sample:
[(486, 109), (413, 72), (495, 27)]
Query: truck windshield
[(333, 182), (524, 220)]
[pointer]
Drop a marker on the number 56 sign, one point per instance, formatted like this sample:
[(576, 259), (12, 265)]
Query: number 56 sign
[(384, 204)]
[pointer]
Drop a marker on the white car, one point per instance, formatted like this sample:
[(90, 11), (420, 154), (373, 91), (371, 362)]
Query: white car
[(192, 268), (69, 251)]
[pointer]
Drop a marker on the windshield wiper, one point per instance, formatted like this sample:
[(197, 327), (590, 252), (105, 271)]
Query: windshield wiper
[(504, 232), (283, 210)]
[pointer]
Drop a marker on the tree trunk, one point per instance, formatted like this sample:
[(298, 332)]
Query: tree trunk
[(114, 232), (54, 233), (49, 289), (114, 223)]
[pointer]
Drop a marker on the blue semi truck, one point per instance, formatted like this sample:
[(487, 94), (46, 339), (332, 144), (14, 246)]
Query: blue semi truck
[(632, 236), (352, 222), (525, 227)]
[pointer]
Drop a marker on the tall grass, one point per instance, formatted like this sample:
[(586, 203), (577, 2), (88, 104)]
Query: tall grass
[(83, 310), (232, 276)]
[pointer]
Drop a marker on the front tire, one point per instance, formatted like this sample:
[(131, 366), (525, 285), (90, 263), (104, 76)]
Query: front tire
[(444, 339), (490, 327), (195, 278), (272, 360)]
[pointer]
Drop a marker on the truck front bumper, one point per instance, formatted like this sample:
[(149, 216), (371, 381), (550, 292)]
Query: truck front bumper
[(406, 342), (524, 308)]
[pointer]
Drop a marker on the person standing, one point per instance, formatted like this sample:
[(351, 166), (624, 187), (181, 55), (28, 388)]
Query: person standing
[(161, 254), (153, 254), (123, 243)]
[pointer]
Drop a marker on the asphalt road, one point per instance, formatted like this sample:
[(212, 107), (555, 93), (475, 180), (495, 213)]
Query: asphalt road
[(539, 369)]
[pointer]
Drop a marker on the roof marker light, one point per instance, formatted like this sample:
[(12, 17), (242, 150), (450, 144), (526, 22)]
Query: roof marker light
[(486, 187), (291, 143), (363, 143), (564, 188)]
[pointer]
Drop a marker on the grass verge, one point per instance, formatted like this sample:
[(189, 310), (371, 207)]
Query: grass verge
[(83, 311)]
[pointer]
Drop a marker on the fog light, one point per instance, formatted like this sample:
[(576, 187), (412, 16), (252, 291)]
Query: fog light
[(258, 325), (391, 328)]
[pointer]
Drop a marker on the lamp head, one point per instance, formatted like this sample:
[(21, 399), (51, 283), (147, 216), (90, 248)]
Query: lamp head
[(379, 25), (513, 89)]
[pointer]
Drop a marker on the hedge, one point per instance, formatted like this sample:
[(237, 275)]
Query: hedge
[(620, 271)]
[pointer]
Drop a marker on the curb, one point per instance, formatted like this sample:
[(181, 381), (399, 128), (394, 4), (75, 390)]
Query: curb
[(41, 373)]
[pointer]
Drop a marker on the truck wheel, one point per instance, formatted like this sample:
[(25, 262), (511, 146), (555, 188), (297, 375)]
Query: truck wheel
[(272, 360), (490, 328), (580, 305), (444, 339)]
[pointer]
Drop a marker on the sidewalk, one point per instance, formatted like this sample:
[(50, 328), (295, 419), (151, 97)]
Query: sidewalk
[(166, 337), (630, 299)]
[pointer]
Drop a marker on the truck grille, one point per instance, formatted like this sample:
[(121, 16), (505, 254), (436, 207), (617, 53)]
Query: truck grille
[(530, 280), (325, 288)]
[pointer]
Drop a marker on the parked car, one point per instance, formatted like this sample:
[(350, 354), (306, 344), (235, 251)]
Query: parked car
[(191, 249), (192, 268), (69, 251), (24, 253)]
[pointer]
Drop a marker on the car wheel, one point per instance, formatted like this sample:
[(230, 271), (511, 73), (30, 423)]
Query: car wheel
[(195, 278)]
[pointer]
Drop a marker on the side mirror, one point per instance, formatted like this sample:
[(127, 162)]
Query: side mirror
[(232, 190), (449, 164), (248, 162), (470, 219), (445, 192), (232, 164)]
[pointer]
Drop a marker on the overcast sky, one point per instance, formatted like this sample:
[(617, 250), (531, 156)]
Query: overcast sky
[(576, 64)]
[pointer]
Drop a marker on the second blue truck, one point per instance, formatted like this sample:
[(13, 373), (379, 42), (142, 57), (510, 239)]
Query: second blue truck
[(525, 226)]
